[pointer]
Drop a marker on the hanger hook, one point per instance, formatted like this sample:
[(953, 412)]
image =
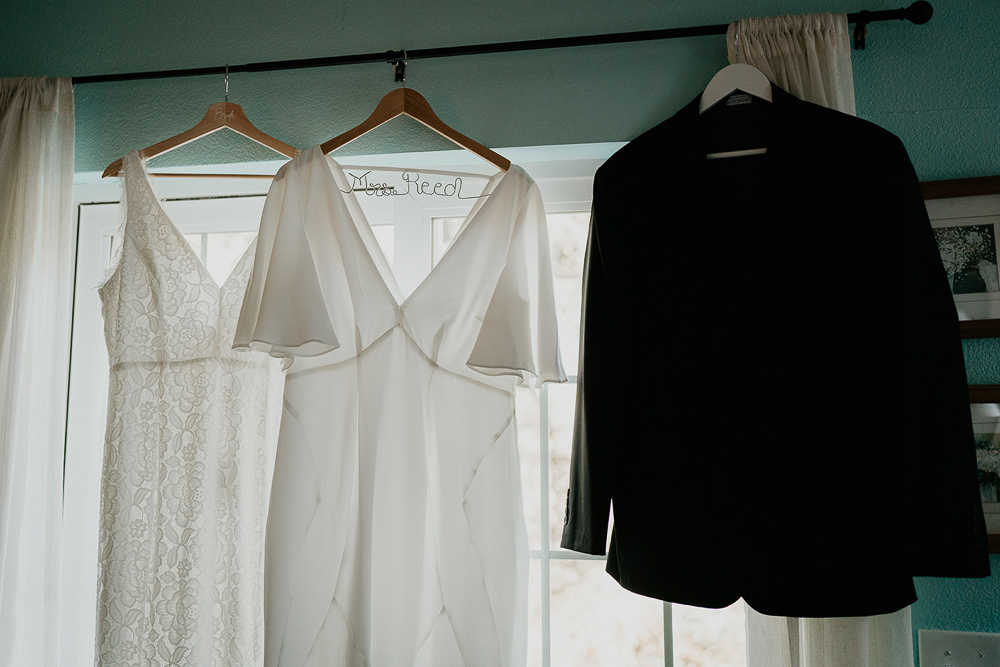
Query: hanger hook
[(227, 84)]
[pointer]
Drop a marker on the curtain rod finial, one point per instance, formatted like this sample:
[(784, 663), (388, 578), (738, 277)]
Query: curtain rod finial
[(920, 12)]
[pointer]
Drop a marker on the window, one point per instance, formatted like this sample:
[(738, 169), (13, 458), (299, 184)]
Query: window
[(578, 615)]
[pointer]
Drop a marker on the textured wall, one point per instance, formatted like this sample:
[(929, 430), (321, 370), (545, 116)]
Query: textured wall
[(967, 605), (982, 360), (935, 86), (971, 605)]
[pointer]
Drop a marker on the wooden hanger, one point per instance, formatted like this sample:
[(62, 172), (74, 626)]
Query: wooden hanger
[(738, 77), (219, 115), (408, 101)]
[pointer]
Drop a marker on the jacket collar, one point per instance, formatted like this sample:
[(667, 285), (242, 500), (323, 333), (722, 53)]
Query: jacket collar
[(771, 217)]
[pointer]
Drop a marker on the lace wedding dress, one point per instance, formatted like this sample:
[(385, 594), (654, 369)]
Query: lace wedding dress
[(188, 453)]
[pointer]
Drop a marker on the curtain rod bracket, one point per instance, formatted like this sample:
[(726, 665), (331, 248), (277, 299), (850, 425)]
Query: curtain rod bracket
[(398, 61), (861, 29), (918, 13)]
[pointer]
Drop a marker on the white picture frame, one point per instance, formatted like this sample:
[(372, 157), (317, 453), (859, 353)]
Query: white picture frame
[(965, 216), (986, 426)]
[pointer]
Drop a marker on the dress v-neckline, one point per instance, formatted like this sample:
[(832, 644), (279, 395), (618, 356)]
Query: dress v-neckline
[(373, 251), (202, 270)]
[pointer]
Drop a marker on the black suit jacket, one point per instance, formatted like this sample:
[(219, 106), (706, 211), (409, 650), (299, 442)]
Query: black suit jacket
[(771, 386)]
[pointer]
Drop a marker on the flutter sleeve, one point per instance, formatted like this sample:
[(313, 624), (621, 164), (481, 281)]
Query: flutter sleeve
[(519, 335), (284, 313)]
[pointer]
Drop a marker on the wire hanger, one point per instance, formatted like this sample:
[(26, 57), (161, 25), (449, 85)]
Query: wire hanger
[(408, 101), (219, 115), (732, 79)]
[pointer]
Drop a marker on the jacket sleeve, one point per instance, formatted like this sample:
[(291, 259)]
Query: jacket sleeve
[(595, 428), (944, 498)]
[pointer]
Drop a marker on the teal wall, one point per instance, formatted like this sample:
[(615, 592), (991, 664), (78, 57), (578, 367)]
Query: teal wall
[(936, 86), (931, 85), (971, 605)]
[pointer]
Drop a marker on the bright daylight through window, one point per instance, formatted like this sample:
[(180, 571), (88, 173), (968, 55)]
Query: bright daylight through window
[(578, 615)]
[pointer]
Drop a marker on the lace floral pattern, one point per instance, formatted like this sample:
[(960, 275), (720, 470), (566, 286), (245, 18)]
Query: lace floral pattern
[(188, 452)]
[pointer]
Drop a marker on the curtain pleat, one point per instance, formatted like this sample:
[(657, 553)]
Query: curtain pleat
[(809, 56)]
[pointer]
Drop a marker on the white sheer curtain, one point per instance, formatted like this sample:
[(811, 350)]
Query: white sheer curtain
[(36, 279), (810, 57), (858, 641)]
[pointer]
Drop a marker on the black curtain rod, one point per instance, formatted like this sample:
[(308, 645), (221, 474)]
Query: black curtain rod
[(918, 13)]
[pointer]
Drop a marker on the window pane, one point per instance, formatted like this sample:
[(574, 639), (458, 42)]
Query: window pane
[(386, 237), (568, 242), (596, 622), (444, 232), (195, 241), (526, 407), (709, 637), (225, 249)]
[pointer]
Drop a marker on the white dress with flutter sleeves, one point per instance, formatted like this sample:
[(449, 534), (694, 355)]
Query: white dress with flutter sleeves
[(395, 533)]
